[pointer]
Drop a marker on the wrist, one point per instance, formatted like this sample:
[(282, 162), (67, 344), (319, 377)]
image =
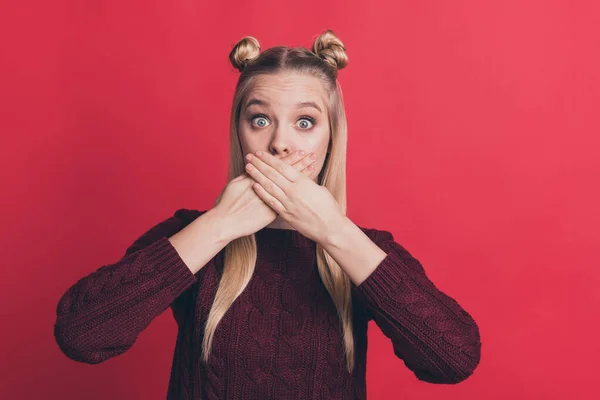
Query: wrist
[(222, 225), (338, 232)]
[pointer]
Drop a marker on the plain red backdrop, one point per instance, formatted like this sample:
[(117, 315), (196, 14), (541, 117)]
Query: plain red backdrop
[(473, 137)]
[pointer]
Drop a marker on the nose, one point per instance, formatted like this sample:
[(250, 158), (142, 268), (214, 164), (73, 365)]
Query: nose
[(282, 143)]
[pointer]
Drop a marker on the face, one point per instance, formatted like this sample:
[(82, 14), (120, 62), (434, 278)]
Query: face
[(284, 113)]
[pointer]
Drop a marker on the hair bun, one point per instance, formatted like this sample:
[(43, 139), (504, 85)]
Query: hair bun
[(245, 51), (331, 49)]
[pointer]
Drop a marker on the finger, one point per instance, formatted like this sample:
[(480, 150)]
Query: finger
[(265, 182), (274, 169), (299, 161), (304, 162), (294, 157), (308, 170), (270, 200)]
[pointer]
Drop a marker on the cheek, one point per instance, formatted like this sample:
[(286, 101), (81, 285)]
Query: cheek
[(245, 138), (242, 131), (320, 143)]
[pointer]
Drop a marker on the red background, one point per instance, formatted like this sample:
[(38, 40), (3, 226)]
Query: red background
[(473, 137)]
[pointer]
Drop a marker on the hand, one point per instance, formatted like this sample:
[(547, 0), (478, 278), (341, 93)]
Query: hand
[(244, 210), (307, 206)]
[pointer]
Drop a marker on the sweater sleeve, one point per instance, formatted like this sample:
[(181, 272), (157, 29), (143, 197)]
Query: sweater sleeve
[(102, 314), (434, 336)]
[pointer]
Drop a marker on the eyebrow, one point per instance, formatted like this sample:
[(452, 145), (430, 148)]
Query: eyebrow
[(302, 104)]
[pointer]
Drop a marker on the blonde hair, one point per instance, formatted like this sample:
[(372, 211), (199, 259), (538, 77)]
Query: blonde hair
[(328, 55)]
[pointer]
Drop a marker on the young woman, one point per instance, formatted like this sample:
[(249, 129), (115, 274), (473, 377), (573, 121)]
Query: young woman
[(273, 288)]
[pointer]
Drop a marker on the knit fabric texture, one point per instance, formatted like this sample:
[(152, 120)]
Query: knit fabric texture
[(282, 337)]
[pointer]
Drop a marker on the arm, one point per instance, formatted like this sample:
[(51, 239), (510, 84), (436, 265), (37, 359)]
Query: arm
[(434, 336), (102, 314)]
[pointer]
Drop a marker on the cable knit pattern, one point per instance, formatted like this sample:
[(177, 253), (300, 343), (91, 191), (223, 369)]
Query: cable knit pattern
[(437, 339), (282, 338)]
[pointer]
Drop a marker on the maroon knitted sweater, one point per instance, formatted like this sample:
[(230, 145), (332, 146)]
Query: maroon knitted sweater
[(281, 339)]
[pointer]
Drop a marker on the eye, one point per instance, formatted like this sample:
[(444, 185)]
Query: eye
[(306, 122), (261, 121)]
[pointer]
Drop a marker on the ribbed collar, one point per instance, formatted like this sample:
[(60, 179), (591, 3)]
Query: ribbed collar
[(290, 236)]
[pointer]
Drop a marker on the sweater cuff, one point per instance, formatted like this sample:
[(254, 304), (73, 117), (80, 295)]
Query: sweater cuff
[(165, 260), (385, 280)]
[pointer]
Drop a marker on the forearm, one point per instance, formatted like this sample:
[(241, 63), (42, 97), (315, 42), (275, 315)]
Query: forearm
[(202, 239), (353, 250), (103, 313), (435, 337)]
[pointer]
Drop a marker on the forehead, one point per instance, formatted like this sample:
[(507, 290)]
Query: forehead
[(287, 89)]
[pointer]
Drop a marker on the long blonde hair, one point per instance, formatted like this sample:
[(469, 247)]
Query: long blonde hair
[(328, 55)]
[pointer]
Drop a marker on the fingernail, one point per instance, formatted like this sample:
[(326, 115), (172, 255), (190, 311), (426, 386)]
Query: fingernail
[(313, 156), (301, 152)]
